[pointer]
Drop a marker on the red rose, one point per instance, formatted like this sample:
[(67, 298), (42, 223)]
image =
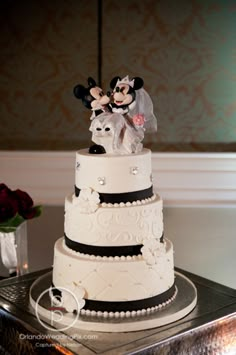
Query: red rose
[(8, 203), (25, 202), (4, 187)]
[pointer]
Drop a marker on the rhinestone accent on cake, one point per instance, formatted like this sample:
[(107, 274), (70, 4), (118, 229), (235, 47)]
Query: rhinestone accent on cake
[(102, 180), (134, 170)]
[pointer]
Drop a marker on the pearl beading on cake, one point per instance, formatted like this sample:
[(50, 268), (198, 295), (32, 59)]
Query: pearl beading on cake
[(128, 314), (128, 204), (112, 258)]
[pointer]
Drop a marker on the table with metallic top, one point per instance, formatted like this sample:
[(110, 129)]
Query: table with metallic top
[(210, 328)]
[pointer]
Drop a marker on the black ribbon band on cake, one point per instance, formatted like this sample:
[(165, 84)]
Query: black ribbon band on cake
[(124, 250), (122, 197), (124, 306)]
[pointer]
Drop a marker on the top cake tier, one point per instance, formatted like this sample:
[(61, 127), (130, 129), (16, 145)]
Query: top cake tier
[(113, 174)]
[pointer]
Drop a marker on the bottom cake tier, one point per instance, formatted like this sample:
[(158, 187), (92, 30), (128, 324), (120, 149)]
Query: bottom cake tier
[(122, 285)]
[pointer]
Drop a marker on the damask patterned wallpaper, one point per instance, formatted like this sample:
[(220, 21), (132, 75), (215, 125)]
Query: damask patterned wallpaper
[(184, 50)]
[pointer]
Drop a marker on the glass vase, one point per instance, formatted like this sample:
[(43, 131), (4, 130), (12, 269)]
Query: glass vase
[(14, 250)]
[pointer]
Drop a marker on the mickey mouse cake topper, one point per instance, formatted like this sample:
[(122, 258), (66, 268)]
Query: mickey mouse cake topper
[(119, 118), (92, 97)]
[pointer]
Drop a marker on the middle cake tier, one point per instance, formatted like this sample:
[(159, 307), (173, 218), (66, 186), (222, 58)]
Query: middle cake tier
[(112, 225)]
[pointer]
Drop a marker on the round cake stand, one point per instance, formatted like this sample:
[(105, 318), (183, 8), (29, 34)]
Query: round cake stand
[(54, 319)]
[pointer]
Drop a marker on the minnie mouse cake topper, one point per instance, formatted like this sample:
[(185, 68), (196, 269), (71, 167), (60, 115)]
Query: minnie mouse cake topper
[(120, 118), (124, 93)]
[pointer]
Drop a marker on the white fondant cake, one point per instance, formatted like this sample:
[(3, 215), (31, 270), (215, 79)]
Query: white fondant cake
[(114, 278), (120, 173), (114, 225), (114, 251)]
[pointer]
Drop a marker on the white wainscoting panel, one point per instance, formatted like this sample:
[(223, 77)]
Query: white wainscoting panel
[(180, 178), (195, 178)]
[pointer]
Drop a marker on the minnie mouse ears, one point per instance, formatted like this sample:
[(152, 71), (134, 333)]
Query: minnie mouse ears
[(136, 83)]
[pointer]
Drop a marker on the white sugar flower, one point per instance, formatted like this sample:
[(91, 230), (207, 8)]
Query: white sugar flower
[(153, 250), (88, 200), (72, 299)]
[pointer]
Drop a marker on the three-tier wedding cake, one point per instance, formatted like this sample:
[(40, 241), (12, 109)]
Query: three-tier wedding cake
[(114, 256)]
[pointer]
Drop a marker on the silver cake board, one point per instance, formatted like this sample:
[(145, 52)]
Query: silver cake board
[(55, 320)]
